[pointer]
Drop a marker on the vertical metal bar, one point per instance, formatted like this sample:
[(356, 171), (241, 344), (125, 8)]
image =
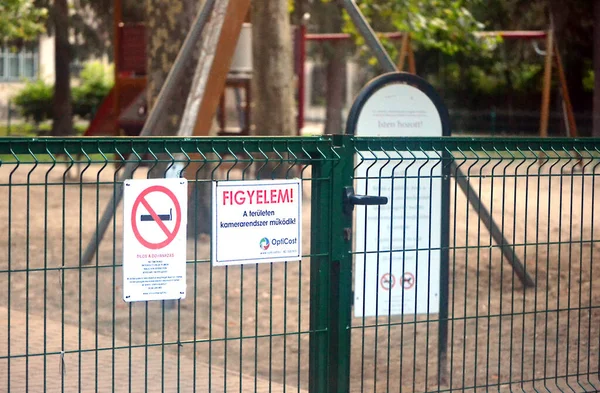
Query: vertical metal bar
[(45, 269), (537, 254), (146, 348), (391, 256), (592, 243), (114, 275), (62, 285), (301, 37), (547, 289), (97, 285), (591, 240), (504, 243), (195, 234), (558, 259), (270, 324), (546, 86), (417, 252), (431, 176), (179, 345), (285, 277), (241, 324), (162, 346), (466, 284), (477, 316), (129, 349), (321, 205), (404, 204), (226, 323), (256, 327), (340, 307), (490, 259), (512, 283), (377, 274), (364, 283), (581, 245), (526, 243), (9, 278), (27, 246), (299, 338), (457, 175), (80, 279), (571, 189)]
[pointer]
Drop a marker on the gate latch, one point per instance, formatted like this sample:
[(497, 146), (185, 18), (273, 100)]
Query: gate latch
[(351, 199)]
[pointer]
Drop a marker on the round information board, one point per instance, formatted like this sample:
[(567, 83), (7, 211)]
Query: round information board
[(398, 104)]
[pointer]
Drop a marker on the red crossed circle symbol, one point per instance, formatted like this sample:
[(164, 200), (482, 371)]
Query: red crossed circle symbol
[(408, 280), (141, 200), (388, 281)]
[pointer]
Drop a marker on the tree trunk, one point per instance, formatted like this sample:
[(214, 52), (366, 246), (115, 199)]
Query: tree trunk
[(328, 18), (273, 68), (336, 80), (168, 23), (336, 73), (62, 111), (596, 112)]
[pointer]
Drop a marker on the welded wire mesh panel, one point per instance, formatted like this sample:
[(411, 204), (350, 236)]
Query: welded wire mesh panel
[(480, 272), (63, 323)]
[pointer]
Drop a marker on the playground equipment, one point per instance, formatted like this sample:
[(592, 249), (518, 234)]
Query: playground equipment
[(124, 110), (552, 58)]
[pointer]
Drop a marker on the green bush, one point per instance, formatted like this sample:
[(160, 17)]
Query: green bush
[(35, 101), (95, 81), (95, 84)]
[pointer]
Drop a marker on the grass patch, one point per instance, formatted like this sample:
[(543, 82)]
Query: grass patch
[(26, 129)]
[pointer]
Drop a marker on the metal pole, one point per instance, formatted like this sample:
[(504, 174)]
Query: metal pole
[(369, 35), (301, 37), (173, 80)]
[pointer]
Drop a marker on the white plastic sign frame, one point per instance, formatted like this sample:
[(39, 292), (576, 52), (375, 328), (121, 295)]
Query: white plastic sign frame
[(400, 271)]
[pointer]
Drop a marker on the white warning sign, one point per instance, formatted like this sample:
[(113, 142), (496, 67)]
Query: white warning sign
[(154, 239), (397, 260), (256, 221)]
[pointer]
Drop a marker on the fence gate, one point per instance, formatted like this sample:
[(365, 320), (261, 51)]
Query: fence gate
[(483, 288), (401, 288)]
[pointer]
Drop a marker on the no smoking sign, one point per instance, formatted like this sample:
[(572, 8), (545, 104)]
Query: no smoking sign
[(145, 214), (154, 239)]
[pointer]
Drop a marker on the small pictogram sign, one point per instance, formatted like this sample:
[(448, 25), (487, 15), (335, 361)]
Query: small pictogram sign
[(387, 281), (408, 280), (151, 216)]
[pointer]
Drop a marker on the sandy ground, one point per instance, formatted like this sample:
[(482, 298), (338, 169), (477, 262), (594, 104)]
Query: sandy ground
[(245, 328)]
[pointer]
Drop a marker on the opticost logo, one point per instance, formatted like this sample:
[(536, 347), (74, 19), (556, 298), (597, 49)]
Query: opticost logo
[(264, 243), (284, 240)]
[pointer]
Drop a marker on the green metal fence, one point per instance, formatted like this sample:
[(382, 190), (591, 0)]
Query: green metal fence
[(355, 314)]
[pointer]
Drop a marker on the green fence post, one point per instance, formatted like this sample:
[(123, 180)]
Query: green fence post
[(321, 221), (340, 305), (331, 275)]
